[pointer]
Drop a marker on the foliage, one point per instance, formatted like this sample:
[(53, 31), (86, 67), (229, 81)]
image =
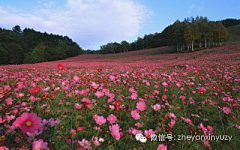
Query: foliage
[(234, 33), (30, 46)]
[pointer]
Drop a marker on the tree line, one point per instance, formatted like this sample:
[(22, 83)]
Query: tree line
[(29, 46), (186, 35)]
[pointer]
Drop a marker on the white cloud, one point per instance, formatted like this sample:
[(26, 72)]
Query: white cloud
[(89, 22), (192, 6)]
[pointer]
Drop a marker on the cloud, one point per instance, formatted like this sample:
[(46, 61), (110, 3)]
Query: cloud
[(192, 6), (89, 22)]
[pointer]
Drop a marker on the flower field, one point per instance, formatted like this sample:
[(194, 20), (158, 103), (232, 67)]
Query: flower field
[(104, 101)]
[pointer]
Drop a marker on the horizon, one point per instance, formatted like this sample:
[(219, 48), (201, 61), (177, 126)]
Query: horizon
[(99, 25)]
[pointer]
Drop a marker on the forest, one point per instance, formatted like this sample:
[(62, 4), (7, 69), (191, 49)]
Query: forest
[(29, 46), (187, 35)]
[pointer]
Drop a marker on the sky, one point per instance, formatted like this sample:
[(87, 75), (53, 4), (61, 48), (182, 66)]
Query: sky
[(92, 23)]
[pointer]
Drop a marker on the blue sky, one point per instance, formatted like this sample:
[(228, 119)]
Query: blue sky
[(92, 23)]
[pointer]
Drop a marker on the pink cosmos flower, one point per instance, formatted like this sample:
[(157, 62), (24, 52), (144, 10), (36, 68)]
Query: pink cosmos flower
[(135, 132), (86, 100), (132, 90), (237, 126), (95, 141), (112, 78), (3, 148), (164, 84), (187, 120), (135, 114), (28, 122), (84, 143), (134, 96), (164, 97), (161, 147), (73, 131), (178, 84), (94, 85), (156, 107), (148, 133), (78, 107), (9, 101), (20, 85), (32, 98), (97, 128), (139, 124), (99, 94), (182, 98), (100, 120), (39, 145), (76, 78), (226, 110), (115, 131), (173, 116), (111, 118), (172, 123), (111, 107), (141, 106)]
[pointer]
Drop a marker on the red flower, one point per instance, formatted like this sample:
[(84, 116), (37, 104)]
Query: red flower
[(35, 90), (61, 67), (45, 95), (99, 70), (117, 103)]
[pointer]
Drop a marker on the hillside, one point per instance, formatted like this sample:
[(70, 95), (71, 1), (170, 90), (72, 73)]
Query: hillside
[(155, 57), (234, 33)]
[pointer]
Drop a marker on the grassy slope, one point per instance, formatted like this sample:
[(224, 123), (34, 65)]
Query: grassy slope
[(234, 33)]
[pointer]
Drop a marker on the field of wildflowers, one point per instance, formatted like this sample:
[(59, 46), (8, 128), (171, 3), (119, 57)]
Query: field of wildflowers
[(104, 101)]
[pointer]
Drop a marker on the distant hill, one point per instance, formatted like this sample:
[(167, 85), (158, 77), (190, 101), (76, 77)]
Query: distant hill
[(230, 22), (234, 33), (29, 46)]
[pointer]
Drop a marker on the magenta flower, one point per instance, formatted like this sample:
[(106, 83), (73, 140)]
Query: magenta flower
[(99, 94), (135, 132), (78, 107), (39, 145), (84, 143), (111, 118), (115, 131), (161, 147), (148, 133), (172, 123), (226, 110), (134, 96), (28, 122), (9, 101), (135, 114), (187, 120), (156, 107), (94, 85), (76, 78), (95, 141), (73, 131), (112, 78), (164, 84), (132, 90), (100, 120), (141, 106)]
